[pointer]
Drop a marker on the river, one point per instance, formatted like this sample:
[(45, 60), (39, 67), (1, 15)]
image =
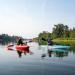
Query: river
[(40, 62)]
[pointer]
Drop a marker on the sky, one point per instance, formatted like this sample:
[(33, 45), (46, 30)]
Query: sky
[(27, 18)]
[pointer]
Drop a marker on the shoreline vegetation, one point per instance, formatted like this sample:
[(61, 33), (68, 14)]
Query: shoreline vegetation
[(5, 39), (62, 41), (70, 42), (61, 34)]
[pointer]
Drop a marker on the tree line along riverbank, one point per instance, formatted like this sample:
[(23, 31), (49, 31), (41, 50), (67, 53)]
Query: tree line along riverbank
[(60, 34)]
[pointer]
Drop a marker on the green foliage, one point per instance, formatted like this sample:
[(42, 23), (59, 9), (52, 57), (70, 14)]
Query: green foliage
[(72, 33), (43, 37), (5, 38), (60, 30)]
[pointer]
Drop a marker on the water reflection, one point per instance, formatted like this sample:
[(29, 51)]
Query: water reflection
[(43, 56), (49, 53), (20, 52), (45, 51), (57, 53)]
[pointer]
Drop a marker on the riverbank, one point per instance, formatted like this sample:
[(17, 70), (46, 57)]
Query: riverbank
[(64, 41)]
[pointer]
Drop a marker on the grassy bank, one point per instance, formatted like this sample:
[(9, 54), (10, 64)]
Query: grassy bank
[(65, 41)]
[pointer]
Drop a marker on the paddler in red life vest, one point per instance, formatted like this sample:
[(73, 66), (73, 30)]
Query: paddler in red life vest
[(20, 42)]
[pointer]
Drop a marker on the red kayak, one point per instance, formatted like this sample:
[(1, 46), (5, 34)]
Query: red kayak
[(22, 47), (19, 47)]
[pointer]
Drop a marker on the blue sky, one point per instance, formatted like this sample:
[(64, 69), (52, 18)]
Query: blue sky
[(28, 18)]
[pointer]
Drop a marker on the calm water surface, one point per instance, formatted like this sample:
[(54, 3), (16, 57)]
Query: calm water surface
[(41, 62)]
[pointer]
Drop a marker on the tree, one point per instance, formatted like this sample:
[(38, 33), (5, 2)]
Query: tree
[(72, 33), (60, 31), (66, 31), (43, 37)]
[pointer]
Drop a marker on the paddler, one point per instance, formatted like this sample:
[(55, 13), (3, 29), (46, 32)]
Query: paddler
[(20, 42)]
